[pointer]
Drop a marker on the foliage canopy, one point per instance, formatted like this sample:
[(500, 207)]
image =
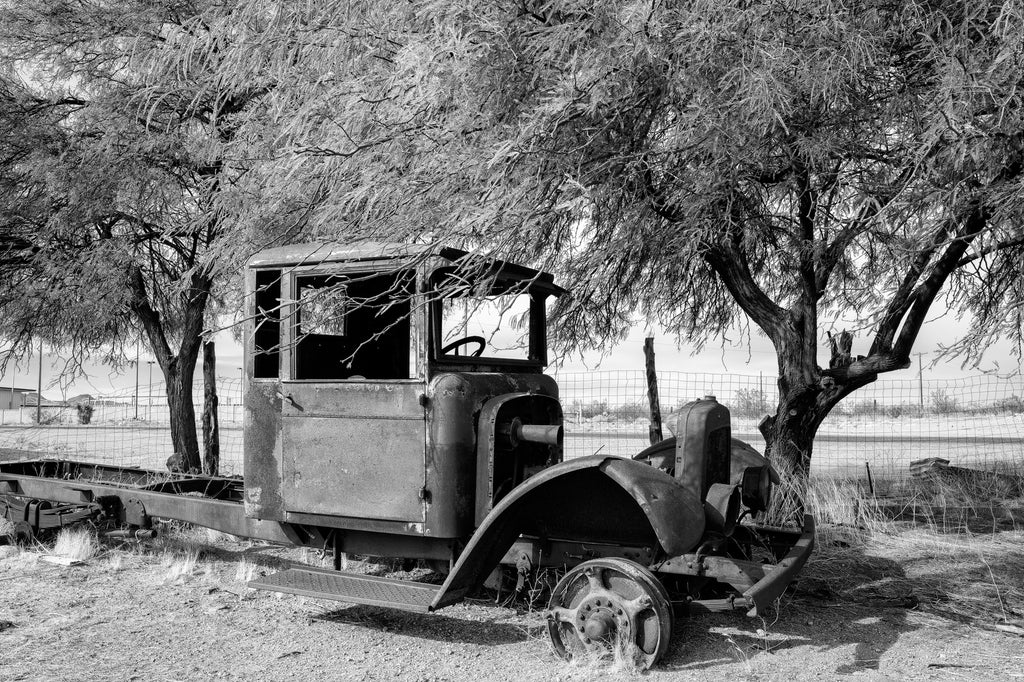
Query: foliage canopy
[(702, 164)]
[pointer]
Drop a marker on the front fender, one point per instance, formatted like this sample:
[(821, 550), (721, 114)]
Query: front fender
[(589, 499)]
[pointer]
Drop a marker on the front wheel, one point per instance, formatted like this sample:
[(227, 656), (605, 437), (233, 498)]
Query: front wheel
[(607, 608)]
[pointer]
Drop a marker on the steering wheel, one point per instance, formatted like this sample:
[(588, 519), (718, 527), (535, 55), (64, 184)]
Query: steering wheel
[(458, 343)]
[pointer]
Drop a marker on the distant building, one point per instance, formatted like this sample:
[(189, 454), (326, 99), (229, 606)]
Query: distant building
[(31, 398), (13, 398)]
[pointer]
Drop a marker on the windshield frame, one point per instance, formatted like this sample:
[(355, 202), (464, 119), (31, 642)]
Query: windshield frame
[(501, 282)]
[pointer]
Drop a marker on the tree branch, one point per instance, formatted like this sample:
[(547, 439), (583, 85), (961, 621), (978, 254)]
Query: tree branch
[(149, 317), (730, 263), (995, 248)]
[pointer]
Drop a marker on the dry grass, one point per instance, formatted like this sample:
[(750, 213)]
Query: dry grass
[(181, 548), (6, 529), (245, 571), (179, 566), (963, 560), (622, 659), (115, 561), (78, 543)]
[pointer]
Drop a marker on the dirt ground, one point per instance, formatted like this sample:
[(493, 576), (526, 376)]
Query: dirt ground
[(177, 609)]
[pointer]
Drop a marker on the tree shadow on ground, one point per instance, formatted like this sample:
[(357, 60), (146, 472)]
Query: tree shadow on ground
[(860, 600)]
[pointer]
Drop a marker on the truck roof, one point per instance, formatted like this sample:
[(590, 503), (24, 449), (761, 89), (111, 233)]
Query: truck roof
[(311, 253), (314, 253)]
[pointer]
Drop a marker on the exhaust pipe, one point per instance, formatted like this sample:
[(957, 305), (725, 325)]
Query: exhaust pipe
[(516, 431)]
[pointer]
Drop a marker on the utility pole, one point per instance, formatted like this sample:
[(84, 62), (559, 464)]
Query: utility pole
[(39, 386), (14, 371), (149, 401), (920, 381), (137, 344)]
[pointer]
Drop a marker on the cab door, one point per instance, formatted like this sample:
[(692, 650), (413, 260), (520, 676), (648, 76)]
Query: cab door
[(354, 449), (353, 422)]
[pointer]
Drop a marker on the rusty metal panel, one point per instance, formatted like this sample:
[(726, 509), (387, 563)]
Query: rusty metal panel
[(369, 399), (354, 449), (262, 451)]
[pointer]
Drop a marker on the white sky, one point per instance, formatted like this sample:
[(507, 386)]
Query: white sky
[(758, 358)]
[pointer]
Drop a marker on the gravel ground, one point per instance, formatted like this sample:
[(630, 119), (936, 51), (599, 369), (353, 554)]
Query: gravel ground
[(177, 608)]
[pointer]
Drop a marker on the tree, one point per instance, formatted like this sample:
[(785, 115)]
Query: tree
[(705, 165), (115, 200)]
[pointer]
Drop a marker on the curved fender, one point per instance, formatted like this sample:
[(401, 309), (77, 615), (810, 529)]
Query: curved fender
[(675, 514), (590, 499)]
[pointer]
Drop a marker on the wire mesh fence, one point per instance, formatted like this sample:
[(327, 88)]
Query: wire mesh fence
[(975, 421), (127, 428)]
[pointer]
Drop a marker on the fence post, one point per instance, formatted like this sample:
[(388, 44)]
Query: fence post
[(652, 391)]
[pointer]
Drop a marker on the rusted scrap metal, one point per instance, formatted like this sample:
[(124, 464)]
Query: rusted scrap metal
[(936, 472)]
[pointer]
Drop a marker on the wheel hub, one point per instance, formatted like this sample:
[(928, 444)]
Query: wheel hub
[(600, 625), (602, 618)]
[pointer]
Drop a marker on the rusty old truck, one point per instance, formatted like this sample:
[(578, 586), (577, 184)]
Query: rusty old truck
[(396, 406)]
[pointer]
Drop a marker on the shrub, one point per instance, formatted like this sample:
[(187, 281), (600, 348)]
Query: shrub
[(46, 415), (84, 413), (943, 403), (588, 410), (1013, 405), (749, 402), (630, 412), (863, 407)]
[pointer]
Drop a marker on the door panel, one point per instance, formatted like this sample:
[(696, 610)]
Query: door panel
[(354, 449)]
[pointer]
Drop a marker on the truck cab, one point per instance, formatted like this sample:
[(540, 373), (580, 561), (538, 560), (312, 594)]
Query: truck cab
[(394, 389)]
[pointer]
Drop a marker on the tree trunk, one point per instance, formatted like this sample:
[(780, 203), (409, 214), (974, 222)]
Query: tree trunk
[(177, 368), (789, 440), (211, 424), (183, 413), (789, 435)]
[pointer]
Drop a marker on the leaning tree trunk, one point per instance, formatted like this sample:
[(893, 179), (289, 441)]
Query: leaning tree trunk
[(211, 424)]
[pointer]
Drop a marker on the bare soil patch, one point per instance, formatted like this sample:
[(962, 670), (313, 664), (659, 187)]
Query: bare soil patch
[(908, 605)]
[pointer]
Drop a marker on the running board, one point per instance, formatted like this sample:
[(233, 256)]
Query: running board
[(354, 588)]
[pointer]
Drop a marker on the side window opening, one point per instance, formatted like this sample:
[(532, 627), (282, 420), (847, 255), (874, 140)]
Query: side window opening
[(353, 326), (267, 334)]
